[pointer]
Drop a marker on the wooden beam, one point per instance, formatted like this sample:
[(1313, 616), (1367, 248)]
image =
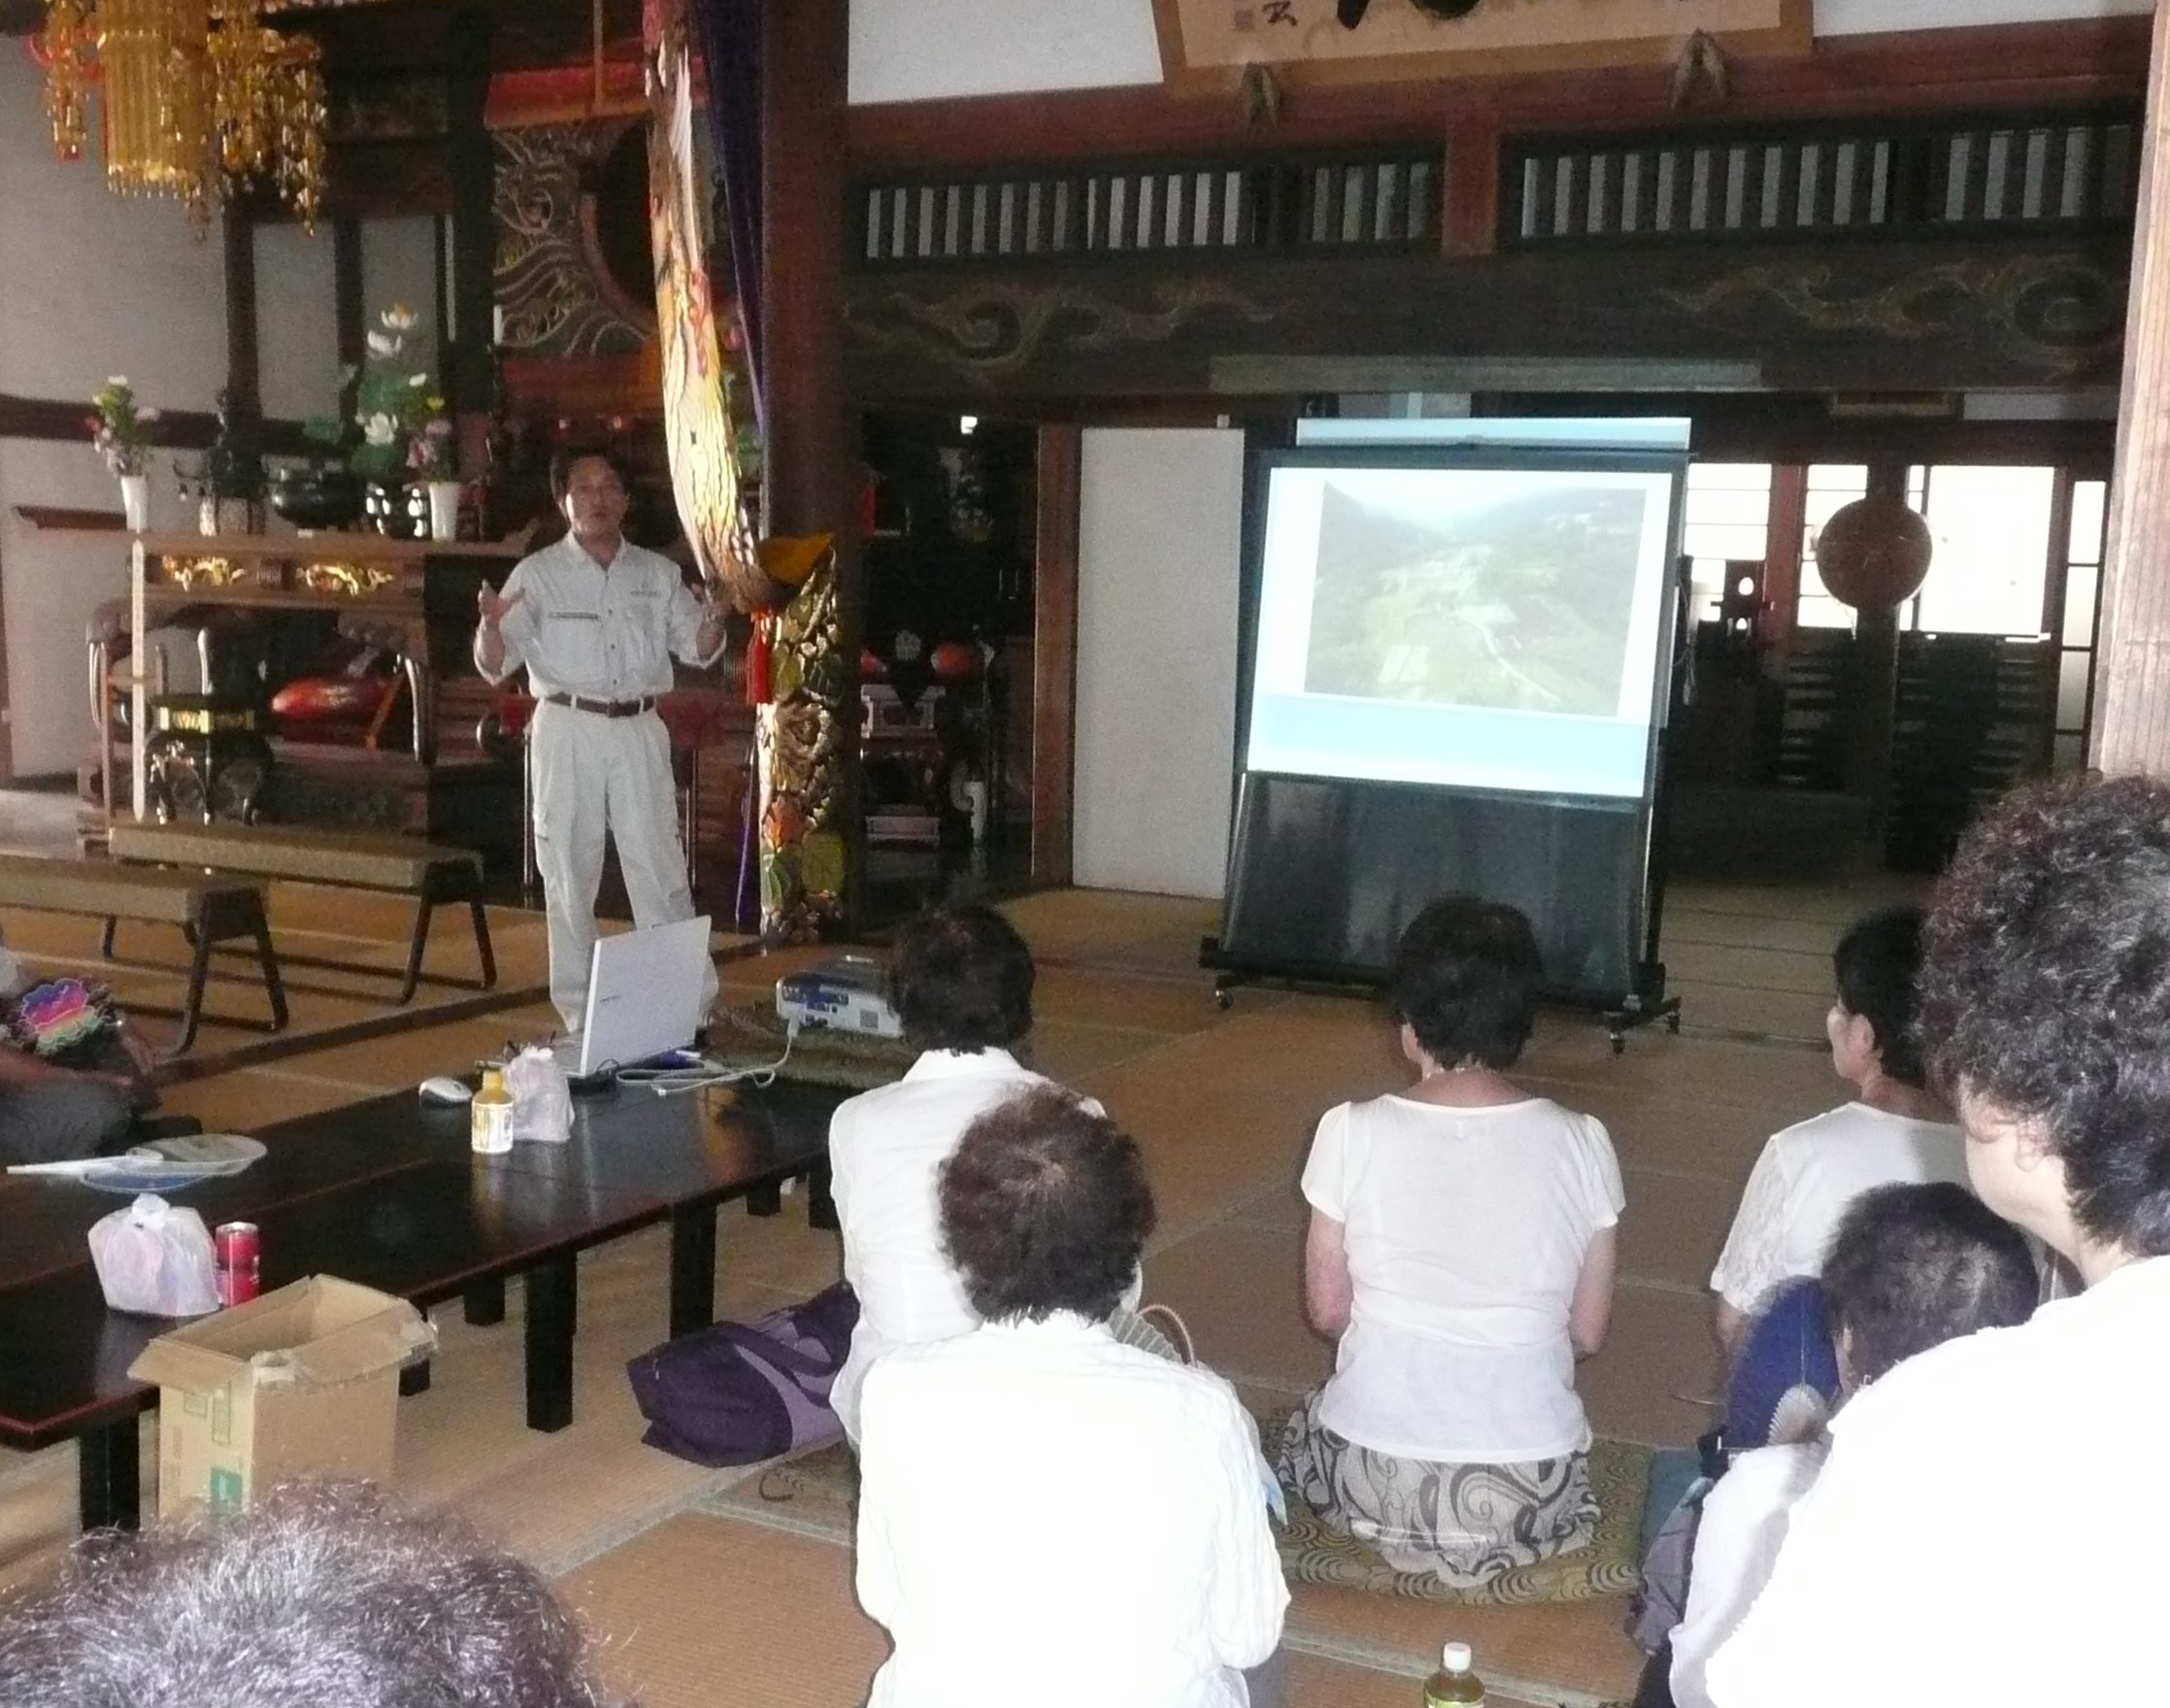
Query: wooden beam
[(350, 313), (1469, 220), (2072, 62), (2132, 695), (1054, 655), (58, 420), (244, 372)]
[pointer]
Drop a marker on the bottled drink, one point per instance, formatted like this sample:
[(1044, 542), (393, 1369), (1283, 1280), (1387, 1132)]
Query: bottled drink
[(1453, 1685), (489, 1115)]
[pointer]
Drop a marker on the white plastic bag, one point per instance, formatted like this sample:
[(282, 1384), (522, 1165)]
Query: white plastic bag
[(541, 1100), (154, 1258)]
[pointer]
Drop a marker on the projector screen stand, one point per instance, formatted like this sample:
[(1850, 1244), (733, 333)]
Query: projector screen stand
[(1644, 1008)]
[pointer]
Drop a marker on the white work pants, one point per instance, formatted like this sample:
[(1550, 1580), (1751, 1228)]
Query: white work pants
[(593, 775)]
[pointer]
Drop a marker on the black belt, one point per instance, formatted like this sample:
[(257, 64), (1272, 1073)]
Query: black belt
[(604, 707)]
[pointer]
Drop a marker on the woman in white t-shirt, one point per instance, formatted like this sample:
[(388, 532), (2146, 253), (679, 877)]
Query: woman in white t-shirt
[(1461, 1253)]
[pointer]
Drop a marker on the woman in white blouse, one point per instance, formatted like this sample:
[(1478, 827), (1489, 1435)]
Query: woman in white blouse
[(1461, 1253), (1045, 1514)]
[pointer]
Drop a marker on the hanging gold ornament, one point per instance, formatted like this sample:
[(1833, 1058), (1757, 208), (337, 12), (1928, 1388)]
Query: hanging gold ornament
[(198, 98)]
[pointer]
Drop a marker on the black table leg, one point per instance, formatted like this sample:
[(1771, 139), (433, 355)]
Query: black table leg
[(765, 1199), (109, 1493), (485, 1304), (551, 1289), (414, 1379), (692, 1268), (821, 1201)]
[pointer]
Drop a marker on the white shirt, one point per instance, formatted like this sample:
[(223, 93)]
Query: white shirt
[(1466, 1231), (1806, 1178), (1989, 1526), (1736, 1544), (886, 1146), (604, 634), (1048, 1517)]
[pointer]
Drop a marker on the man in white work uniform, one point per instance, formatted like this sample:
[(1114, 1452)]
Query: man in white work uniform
[(596, 619)]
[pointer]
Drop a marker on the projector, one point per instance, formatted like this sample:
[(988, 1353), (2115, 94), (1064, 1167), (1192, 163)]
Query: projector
[(847, 993)]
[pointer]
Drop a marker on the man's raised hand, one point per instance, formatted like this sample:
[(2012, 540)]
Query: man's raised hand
[(492, 604)]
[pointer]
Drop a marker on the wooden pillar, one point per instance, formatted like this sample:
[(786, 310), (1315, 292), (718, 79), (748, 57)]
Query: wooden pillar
[(474, 242), (2132, 696), (1055, 653), (811, 467), (243, 370)]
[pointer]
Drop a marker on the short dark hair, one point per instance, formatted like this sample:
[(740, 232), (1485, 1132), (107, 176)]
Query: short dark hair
[(314, 1585), (567, 458), (1877, 967), (961, 979), (2045, 988), (1044, 1208), (1913, 1266), (1465, 978)]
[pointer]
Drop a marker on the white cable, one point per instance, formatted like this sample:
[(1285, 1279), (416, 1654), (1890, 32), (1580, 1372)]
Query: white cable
[(664, 1082)]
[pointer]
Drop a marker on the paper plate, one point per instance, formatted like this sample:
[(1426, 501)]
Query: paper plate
[(130, 1177), (203, 1154)]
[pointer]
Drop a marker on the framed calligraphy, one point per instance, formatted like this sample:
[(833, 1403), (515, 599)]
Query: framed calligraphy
[(1205, 45)]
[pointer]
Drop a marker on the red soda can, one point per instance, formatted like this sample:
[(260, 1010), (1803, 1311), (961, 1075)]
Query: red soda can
[(237, 1245), (237, 1287)]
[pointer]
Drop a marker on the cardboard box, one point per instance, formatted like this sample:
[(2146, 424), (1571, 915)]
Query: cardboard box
[(303, 1381)]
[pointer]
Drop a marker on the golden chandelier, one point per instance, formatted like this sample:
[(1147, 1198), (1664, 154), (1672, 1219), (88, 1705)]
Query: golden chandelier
[(198, 97)]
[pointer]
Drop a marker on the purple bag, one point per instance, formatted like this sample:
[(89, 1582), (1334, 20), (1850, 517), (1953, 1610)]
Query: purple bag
[(735, 1394)]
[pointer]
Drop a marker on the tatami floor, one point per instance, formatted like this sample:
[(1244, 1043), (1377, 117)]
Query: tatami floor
[(698, 1603)]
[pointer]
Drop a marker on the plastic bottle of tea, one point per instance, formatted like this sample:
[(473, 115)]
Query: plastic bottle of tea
[(1453, 1685)]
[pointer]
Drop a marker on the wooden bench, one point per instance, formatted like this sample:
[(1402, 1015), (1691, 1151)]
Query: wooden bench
[(400, 865), (210, 909)]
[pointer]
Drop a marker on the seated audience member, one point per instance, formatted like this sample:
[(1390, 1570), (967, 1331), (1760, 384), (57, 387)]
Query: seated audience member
[(77, 1100), (1461, 1253), (1046, 1515), (1895, 1129), (321, 1595), (961, 979), (1909, 1268), (1989, 1525)]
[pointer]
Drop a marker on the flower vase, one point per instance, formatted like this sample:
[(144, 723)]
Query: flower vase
[(135, 501), (444, 510)]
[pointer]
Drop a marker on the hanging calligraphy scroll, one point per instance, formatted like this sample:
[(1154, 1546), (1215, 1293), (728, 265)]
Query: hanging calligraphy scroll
[(1205, 45), (696, 410)]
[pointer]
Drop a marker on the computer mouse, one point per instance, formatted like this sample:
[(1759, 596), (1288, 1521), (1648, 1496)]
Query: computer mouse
[(440, 1089)]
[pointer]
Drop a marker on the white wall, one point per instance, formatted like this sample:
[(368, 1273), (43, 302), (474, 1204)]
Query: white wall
[(927, 49), (1159, 539), (932, 49), (1863, 17), (91, 285), (297, 322)]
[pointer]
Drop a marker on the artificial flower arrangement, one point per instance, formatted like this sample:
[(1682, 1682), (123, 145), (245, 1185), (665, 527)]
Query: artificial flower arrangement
[(431, 452), (388, 400), (121, 427)]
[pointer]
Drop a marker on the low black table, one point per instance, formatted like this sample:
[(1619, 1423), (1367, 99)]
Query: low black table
[(388, 1194)]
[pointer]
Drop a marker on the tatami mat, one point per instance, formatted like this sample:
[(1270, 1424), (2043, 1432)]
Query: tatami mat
[(704, 1609)]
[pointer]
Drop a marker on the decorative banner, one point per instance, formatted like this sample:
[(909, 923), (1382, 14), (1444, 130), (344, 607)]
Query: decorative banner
[(799, 736), (696, 412), (1206, 44)]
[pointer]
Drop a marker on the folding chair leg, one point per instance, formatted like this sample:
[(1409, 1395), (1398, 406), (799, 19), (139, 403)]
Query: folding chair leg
[(105, 937)]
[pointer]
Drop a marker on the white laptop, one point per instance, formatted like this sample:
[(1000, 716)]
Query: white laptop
[(645, 993)]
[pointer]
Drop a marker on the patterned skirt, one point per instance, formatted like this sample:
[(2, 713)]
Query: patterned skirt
[(1465, 1524)]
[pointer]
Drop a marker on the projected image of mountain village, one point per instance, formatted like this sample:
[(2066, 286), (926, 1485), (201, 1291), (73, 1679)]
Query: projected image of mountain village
[(1517, 604)]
